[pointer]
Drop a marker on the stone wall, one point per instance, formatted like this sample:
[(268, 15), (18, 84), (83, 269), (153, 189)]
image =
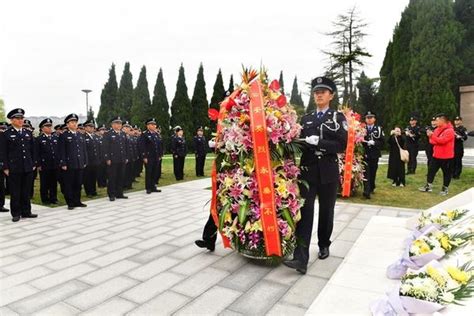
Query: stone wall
[(467, 111)]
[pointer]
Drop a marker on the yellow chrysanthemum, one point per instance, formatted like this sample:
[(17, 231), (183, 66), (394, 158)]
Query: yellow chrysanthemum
[(444, 241), (451, 214), (435, 275), (422, 245), (458, 275), (282, 189)]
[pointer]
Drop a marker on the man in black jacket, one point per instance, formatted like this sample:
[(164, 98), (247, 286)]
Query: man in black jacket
[(460, 132), (47, 162), (178, 149), (18, 163), (151, 151), (3, 128), (72, 160), (413, 134), (116, 156), (200, 150), (373, 143)]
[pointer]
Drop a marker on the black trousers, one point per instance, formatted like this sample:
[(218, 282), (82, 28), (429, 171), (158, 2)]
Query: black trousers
[(90, 179), (128, 175), (159, 171), (370, 174), (72, 186), (457, 164), (20, 189), (444, 165), (412, 162), (138, 166), (102, 175), (115, 174), (151, 174), (49, 185), (200, 161), (178, 167), (2, 189), (327, 194), (209, 233)]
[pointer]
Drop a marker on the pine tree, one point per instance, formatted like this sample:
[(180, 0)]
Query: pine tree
[(296, 99), (181, 110), (367, 94), (231, 84), (218, 96), (108, 99), (160, 108), (282, 84), (464, 12), (125, 93), (434, 64), (199, 102), (141, 107)]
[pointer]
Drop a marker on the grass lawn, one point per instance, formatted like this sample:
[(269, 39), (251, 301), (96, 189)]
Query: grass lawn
[(409, 196), (385, 194), (167, 178)]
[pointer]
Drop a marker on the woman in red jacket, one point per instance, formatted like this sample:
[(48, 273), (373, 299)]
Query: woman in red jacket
[(442, 139)]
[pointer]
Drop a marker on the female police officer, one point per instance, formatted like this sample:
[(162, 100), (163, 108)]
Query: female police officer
[(325, 133)]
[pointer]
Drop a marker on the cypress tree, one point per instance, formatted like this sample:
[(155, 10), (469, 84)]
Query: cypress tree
[(434, 65), (199, 102), (464, 13), (385, 96), (296, 99), (160, 108), (367, 94), (218, 96), (141, 107), (125, 93), (231, 84), (108, 99), (282, 84), (181, 110), (90, 113), (311, 105)]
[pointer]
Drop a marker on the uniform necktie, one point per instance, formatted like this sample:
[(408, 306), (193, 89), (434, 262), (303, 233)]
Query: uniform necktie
[(319, 115)]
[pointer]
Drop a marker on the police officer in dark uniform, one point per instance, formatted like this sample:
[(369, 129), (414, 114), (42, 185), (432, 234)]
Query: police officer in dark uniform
[(28, 126), (325, 134), (128, 174), (3, 128), (373, 143), (47, 162), (178, 149), (116, 156), (413, 134), (429, 146), (151, 151), (18, 163), (72, 160), (102, 169), (460, 133), (200, 147), (93, 159)]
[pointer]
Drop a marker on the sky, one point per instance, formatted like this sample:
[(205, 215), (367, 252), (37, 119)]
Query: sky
[(52, 49)]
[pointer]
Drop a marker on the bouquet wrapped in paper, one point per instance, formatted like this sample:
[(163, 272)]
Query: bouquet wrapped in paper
[(431, 245), (427, 290), (256, 198)]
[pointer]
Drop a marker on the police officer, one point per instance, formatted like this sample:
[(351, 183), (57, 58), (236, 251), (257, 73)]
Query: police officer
[(325, 133), (3, 128), (373, 143), (461, 136), (413, 134), (429, 146), (72, 160), (47, 162), (18, 163), (178, 149), (151, 151), (116, 156), (102, 169), (200, 147), (93, 159), (128, 174), (139, 161), (28, 126)]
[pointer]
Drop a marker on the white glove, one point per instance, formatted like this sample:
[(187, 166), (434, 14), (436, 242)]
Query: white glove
[(212, 144), (371, 142), (312, 140)]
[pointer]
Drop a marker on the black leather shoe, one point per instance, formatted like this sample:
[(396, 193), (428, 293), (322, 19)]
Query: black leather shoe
[(148, 192), (112, 198), (297, 265), (205, 244), (366, 195), (3, 209), (54, 202), (70, 207), (323, 253), (81, 205), (122, 197), (30, 216), (156, 190), (16, 219)]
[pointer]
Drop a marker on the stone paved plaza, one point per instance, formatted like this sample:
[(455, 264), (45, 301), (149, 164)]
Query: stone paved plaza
[(138, 257)]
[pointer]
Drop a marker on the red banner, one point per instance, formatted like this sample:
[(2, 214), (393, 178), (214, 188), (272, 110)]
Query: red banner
[(346, 185), (263, 169)]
